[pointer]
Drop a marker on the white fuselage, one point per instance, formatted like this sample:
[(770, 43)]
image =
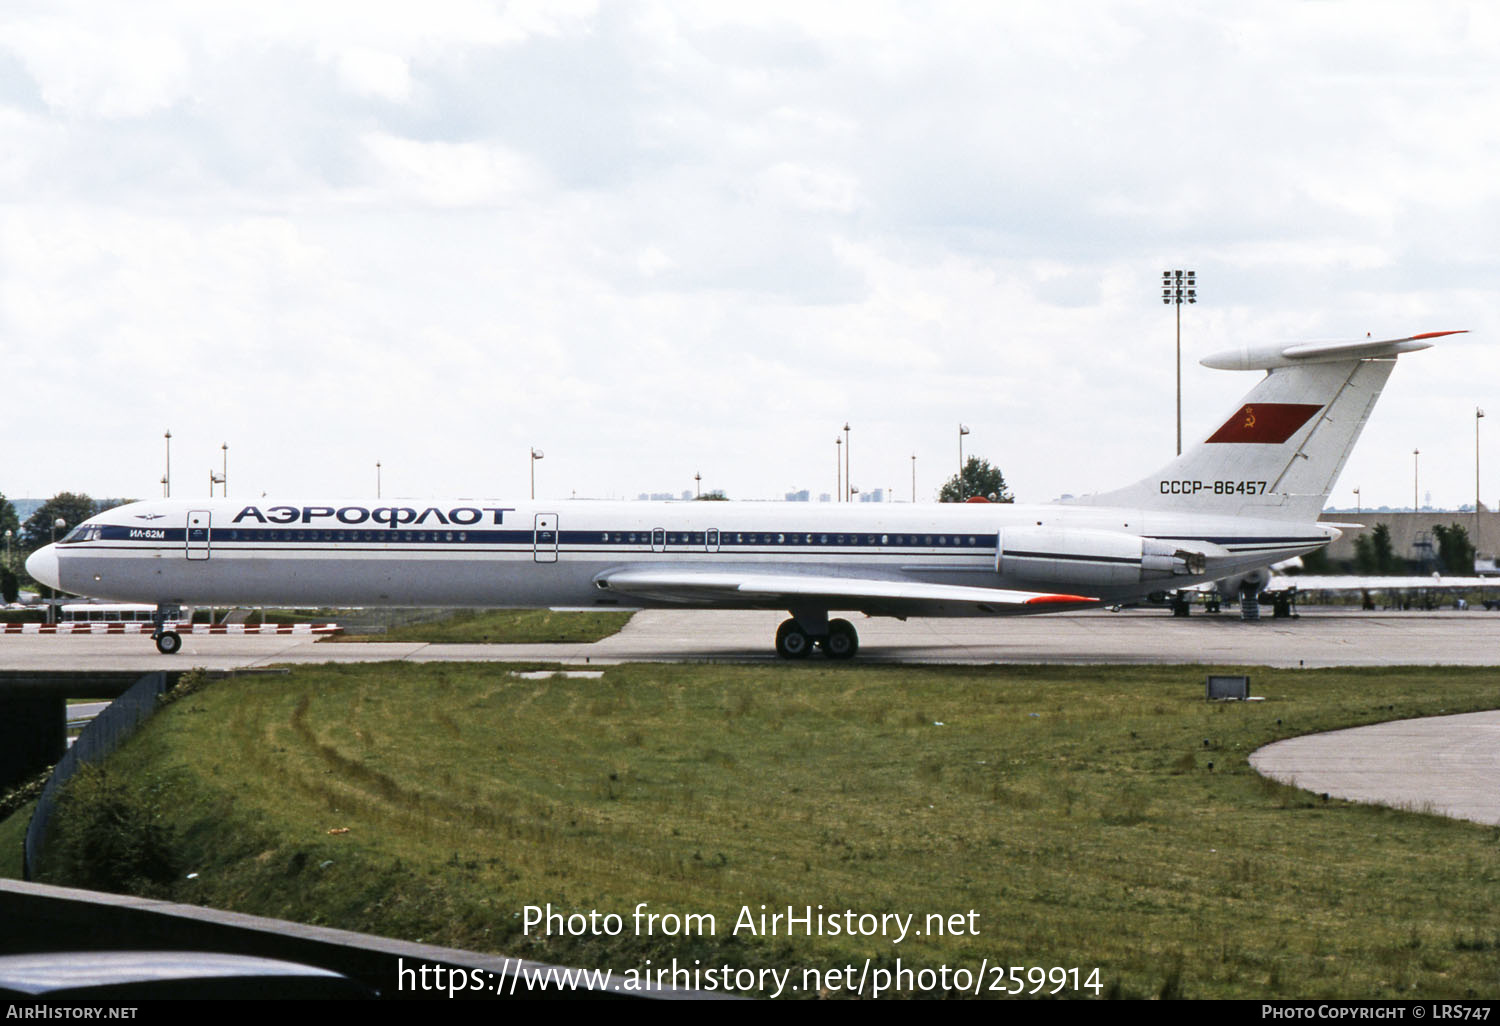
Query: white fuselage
[(466, 552)]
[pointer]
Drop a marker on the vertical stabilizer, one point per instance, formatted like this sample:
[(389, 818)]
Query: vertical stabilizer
[(1280, 452)]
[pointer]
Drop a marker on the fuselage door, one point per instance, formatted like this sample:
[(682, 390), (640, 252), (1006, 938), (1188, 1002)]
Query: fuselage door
[(198, 533), (544, 543)]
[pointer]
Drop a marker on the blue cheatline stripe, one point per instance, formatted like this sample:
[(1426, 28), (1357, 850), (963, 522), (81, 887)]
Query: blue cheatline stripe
[(1232, 540), (1072, 556), (675, 541), (678, 540)]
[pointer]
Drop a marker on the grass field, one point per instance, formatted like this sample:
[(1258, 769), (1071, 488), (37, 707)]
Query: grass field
[(503, 627), (1091, 817)]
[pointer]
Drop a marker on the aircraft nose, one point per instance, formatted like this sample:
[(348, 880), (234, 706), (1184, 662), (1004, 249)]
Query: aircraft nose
[(42, 566)]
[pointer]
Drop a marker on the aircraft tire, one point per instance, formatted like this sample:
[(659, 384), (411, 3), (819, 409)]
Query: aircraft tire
[(792, 642), (842, 641), (169, 643)]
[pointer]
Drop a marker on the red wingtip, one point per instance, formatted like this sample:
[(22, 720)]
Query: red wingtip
[(1440, 334), (1074, 599)]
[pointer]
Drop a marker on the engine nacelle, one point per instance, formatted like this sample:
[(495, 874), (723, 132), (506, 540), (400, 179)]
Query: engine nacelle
[(1071, 556)]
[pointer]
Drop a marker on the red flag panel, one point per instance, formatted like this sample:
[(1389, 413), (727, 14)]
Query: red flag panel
[(1265, 423)]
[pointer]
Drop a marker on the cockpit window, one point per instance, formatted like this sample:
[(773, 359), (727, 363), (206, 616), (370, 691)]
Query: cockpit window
[(82, 533)]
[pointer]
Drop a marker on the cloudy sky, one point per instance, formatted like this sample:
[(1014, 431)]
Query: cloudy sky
[(657, 239)]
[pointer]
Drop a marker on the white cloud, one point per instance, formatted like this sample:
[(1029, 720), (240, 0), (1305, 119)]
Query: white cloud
[(370, 72), (124, 73), (446, 174)]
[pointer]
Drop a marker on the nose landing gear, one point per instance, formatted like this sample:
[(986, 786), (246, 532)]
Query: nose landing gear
[(168, 642)]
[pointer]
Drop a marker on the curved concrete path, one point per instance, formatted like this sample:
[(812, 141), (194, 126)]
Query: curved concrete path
[(1449, 765)]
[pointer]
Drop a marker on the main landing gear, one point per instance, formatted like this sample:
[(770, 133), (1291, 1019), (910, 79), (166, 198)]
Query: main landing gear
[(167, 642), (795, 638)]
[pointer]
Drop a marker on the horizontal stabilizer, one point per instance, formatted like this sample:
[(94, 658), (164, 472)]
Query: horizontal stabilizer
[(1295, 354), (782, 590)]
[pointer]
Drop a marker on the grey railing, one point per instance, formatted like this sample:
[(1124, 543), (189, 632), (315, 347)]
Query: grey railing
[(106, 733)]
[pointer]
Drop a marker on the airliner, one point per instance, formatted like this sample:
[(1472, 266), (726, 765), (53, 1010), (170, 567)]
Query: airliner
[(1246, 496)]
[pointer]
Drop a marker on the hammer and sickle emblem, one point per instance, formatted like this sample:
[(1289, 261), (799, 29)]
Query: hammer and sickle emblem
[(1249, 416)]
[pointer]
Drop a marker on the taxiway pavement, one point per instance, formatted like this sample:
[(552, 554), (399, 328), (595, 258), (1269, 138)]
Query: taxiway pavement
[(1316, 639)]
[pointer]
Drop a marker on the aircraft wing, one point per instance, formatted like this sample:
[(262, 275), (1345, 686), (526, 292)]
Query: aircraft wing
[(871, 595)]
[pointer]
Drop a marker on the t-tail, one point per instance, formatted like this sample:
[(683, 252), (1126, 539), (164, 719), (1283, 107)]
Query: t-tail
[(1279, 454)]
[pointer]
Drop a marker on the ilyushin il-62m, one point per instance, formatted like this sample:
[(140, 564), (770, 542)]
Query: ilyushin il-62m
[(1245, 497)]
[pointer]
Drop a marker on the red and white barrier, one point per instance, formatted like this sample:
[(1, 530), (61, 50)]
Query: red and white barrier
[(96, 627)]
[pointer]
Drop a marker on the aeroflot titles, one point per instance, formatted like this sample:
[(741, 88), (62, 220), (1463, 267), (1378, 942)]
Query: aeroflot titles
[(391, 516)]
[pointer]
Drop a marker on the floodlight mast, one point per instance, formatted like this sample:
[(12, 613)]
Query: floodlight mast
[(962, 430), (1178, 287), (1478, 416)]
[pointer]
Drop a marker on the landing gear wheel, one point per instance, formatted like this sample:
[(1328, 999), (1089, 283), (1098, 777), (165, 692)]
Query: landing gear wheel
[(792, 642), (168, 642), (842, 641)]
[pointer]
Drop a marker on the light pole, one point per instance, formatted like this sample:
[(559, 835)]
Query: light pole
[(962, 430), (913, 477), (7, 548), (224, 479), (698, 484), (167, 478), (377, 479), (846, 459), (1356, 502), (57, 525), (1415, 464), (1478, 416), (536, 454), (838, 469), (1178, 287)]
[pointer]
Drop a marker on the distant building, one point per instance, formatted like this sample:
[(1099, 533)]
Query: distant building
[(1411, 533), (801, 496)]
